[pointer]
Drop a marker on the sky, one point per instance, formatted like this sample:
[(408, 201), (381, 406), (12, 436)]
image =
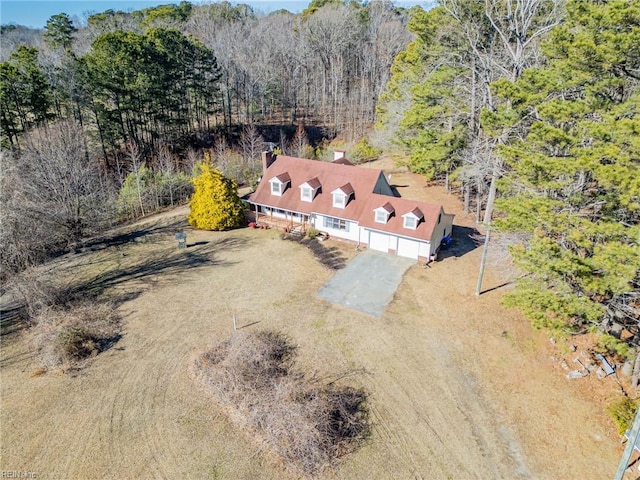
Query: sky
[(35, 13)]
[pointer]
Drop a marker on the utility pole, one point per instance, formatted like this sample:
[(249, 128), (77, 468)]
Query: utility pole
[(632, 438), (483, 260)]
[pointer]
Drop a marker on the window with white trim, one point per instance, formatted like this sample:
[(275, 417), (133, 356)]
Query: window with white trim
[(336, 224), (339, 199), (410, 222), (306, 194), (382, 216)]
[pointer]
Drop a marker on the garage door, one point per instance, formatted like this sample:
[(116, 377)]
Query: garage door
[(379, 241), (408, 248)]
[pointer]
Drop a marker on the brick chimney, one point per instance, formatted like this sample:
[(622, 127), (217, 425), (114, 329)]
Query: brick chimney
[(267, 159)]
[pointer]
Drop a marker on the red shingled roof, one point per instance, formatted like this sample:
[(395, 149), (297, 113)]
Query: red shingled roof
[(314, 183), (342, 161), (284, 177), (331, 176), (387, 206), (430, 213), (347, 189)]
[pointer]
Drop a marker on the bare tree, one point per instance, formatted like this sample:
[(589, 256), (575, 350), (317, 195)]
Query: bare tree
[(520, 24), (167, 169), (300, 142), (135, 157), (52, 194), (251, 143), (283, 143)]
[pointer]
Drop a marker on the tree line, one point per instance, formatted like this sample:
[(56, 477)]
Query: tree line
[(530, 111), (177, 71)]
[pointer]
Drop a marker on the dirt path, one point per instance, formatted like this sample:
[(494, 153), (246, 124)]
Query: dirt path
[(460, 387)]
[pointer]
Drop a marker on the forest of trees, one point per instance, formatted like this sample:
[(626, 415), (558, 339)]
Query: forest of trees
[(528, 110)]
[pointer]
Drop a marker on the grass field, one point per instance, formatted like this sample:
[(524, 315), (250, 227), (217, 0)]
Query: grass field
[(459, 387)]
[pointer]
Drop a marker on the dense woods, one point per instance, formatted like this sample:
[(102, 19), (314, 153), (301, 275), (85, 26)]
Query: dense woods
[(533, 106), (528, 110)]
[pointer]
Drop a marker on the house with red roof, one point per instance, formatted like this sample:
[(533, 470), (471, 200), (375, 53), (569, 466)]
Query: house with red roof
[(347, 202)]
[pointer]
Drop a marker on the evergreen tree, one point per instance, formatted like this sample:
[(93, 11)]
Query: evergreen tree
[(59, 31), (215, 204), (572, 151)]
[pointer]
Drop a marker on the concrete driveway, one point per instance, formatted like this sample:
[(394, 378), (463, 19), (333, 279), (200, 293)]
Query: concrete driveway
[(368, 282)]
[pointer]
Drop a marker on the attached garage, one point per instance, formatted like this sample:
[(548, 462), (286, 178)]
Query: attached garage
[(379, 241), (408, 248)]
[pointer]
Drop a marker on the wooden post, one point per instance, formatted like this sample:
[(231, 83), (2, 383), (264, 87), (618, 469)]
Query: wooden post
[(235, 325)]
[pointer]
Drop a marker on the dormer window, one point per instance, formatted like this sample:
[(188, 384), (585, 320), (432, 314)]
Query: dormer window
[(279, 184), (342, 195), (381, 216), (410, 222), (383, 213), (309, 189), (412, 218)]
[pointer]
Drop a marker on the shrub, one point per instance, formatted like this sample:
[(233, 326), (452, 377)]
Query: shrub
[(76, 343), (306, 424), (312, 233), (622, 412), (66, 336), (31, 289), (610, 344), (363, 151), (215, 204)]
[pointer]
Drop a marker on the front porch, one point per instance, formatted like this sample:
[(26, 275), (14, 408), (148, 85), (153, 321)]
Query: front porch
[(294, 223)]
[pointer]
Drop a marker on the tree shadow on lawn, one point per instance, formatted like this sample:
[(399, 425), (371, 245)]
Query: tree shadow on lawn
[(145, 233), (160, 269), (11, 319), (328, 256), (465, 240)]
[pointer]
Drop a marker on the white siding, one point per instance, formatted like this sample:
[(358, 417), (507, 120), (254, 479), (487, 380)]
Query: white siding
[(425, 250), (350, 233)]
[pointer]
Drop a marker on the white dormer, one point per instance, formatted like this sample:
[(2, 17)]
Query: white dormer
[(309, 189), (342, 195), (412, 218), (279, 184), (383, 213)]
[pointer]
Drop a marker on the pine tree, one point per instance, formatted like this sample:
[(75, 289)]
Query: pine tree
[(215, 204), (572, 153)]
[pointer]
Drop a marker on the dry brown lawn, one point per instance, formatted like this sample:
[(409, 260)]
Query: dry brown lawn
[(459, 386)]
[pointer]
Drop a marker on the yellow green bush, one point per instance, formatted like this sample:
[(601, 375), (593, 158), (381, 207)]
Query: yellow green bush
[(215, 204)]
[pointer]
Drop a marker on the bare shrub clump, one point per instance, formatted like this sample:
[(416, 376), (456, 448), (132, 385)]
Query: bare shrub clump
[(67, 337), (306, 425), (66, 328), (36, 293)]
